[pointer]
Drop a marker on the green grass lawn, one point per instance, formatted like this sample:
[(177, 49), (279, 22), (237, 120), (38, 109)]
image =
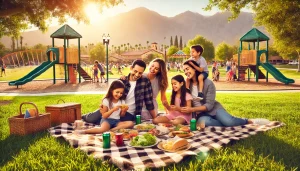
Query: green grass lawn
[(14, 74), (277, 149)]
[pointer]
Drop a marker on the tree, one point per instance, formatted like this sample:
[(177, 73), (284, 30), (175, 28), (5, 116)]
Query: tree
[(180, 43), (2, 50), (19, 15), (21, 42), (13, 45), (176, 41), (224, 52), (171, 42), (98, 53), (147, 44), (172, 50), (280, 18), (209, 49)]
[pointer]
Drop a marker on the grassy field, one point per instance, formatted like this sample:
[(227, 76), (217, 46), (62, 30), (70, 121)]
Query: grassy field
[(14, 74), (277, 149)]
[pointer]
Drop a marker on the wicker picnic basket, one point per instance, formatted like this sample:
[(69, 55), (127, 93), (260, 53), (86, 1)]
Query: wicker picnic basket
[(22, 126), (64, 112)]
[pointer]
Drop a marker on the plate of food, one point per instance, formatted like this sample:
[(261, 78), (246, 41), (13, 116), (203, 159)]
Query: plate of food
[(174, 145), (181, 132), (127, 133), (159, 130), (143, 141), (144, 127), (168, 125)]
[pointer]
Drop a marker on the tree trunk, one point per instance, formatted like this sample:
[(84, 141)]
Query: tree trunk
[(298, 61)]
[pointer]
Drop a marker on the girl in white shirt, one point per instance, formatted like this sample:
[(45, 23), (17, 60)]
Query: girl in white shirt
[(113, 108)]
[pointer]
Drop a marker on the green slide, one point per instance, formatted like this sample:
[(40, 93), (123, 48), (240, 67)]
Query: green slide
[(37, 71), (276, 73)]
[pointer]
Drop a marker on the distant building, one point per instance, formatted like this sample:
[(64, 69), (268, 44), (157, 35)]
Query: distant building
[(140, 54), (277, 60), (154, 46)]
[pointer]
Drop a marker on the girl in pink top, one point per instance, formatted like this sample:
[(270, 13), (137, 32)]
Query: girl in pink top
[(180, 98)]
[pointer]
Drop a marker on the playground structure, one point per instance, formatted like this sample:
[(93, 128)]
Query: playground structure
[(253, 59), (69, 57), (24, 58)]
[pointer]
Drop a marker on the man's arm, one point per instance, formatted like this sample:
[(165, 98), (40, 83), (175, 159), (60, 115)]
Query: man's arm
[(148, 98)]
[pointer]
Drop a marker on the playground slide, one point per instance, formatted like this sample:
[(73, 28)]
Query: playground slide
[(276, 73), (33, 74)]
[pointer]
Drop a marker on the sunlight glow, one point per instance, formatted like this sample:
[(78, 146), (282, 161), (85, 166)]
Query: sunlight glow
[(92, 12)]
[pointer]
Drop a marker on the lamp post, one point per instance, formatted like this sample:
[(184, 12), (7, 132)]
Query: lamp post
[(106, 39)]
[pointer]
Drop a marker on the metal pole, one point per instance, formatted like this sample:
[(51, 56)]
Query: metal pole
[(106, 61), (54, 80), (267, 60), (79, 77), (65, 60)]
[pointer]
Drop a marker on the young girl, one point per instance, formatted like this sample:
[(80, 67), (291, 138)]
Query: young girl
[(95, 70), (113, 109), (180, 98)]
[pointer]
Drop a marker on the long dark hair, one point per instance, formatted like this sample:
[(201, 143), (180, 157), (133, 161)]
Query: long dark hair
[(183, 91), (162, 74), (114, 85), (196, 71)]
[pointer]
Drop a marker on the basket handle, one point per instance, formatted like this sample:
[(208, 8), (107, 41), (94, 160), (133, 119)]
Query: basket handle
[(60, 100), (37, 110)]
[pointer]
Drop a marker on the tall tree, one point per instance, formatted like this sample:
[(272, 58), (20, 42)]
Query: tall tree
[(171, 42), (209, 49), (280, 18), (172, 50), (13, 44), (21, 42), (224, 52), (147, 44), (98, 52), (180, 43), (176, 41), (17, 15)]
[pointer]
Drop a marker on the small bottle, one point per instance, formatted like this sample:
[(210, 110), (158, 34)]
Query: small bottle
[(138, 119), (193, 124), (106, 139)]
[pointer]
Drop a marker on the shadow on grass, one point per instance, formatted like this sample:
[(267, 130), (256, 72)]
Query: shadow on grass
[(13, 144)]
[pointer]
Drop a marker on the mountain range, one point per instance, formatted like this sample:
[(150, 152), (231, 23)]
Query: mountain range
[(141, 25)]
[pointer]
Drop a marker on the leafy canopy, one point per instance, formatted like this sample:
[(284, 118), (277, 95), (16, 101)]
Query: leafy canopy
[(18, 15), (208, 46)]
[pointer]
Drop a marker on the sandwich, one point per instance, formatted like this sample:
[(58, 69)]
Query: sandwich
[(175, 145), (182, 132)]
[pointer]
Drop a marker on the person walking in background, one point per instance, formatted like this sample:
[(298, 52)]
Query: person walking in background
[(234, 71), (95, 72), (3, 69), (102, 72)]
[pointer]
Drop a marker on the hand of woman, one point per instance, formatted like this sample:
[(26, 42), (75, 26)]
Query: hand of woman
[(186, 110), (124, 109), (101, 109), (166, 104), (123, 77)]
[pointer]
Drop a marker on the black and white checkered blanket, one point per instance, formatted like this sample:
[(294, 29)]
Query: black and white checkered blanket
[(140, 158)]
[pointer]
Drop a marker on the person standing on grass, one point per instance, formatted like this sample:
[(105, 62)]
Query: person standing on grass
[(137, 91), (95, 72), (102, 73), (209, 110), (3, 69), (112, 110), (196, 52)]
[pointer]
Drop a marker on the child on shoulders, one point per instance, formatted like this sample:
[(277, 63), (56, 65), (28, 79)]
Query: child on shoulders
[(180, 98), (196, 52)]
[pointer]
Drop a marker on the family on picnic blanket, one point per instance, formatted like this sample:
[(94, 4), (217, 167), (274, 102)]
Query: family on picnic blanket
[(136, 94)]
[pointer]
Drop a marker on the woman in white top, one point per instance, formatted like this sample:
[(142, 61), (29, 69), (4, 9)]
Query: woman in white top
[(159, 81)]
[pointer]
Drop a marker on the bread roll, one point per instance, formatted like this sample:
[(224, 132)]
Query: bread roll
[(180, 144)]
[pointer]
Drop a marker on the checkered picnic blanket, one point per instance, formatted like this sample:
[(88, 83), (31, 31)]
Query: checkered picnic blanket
[(127, 157)]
